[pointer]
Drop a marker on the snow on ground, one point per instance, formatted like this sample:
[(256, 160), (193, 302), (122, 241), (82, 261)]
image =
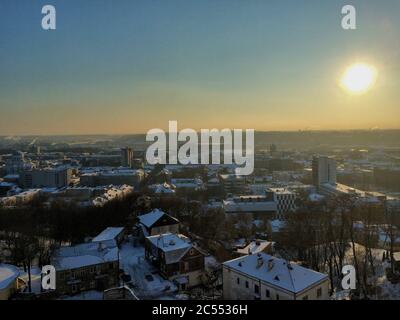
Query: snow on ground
[(388, 291), (8, 275), (86, 295), (36, 279), (211, 263), (147, 282)]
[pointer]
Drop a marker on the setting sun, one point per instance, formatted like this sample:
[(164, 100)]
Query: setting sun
[(358, 78)]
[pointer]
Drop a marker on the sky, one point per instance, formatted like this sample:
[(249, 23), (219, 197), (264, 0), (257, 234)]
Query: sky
[(128, 66)]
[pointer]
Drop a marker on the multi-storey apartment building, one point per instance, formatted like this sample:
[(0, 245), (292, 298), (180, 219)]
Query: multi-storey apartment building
[(264, 277), (46, 177)]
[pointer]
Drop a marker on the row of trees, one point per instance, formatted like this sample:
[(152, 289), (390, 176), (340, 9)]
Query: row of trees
[(337, 232), (29, 234)]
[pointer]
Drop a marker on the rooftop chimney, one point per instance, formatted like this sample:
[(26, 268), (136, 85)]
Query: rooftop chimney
[(270, 264), (260, 262)]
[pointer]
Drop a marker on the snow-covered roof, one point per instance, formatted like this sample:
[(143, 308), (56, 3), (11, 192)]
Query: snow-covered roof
[(85, 254), (255, 247), (162, 188), (149, 219), (277, 272), (174, 246), (283, 191), (8, 274), (11, 177), (7, 184), (170, 241), (249, 204), (187, 183), (108, 234)]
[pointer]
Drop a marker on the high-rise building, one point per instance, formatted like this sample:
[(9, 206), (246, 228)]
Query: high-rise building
[(16, 163), (273, 148), (127, 157), (323, 171)]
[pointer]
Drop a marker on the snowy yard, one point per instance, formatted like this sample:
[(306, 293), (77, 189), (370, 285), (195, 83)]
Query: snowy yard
[(386, 290), (147, 282), (86, 295), (36, 280)]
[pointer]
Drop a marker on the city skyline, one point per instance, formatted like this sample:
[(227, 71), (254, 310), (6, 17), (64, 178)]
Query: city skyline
[(126, 69)]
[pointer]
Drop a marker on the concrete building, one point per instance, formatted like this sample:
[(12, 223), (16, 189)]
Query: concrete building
[(127, 157), (114, 177), (323, 171), (87, 196), (285, 201), (21, 198), (15, 163), (46, 178), (233, 184), (264, 277), (188, 184), (258, 205)]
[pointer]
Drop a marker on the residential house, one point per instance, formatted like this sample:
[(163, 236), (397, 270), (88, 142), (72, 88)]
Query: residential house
[(87, 266), (9, 281), (158, 222), (264, 277), (177, 259), (111, 233)]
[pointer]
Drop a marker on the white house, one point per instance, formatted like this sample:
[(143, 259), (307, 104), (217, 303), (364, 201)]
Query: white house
[(264, 277), (111, 233)]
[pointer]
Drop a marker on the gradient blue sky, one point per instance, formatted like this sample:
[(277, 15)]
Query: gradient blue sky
[(126, 66)]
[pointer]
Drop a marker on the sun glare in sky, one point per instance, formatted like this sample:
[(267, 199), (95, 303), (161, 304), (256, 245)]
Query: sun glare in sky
[(358, 78)]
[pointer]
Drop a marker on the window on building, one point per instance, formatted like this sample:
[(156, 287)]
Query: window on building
[(305, 298), (238, 280), (186, 266), (319, 292), (267, 293), (277, 297), (247, 284), (256, 289)]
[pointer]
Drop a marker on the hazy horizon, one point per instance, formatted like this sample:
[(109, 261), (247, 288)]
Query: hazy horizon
[(327, 131)]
